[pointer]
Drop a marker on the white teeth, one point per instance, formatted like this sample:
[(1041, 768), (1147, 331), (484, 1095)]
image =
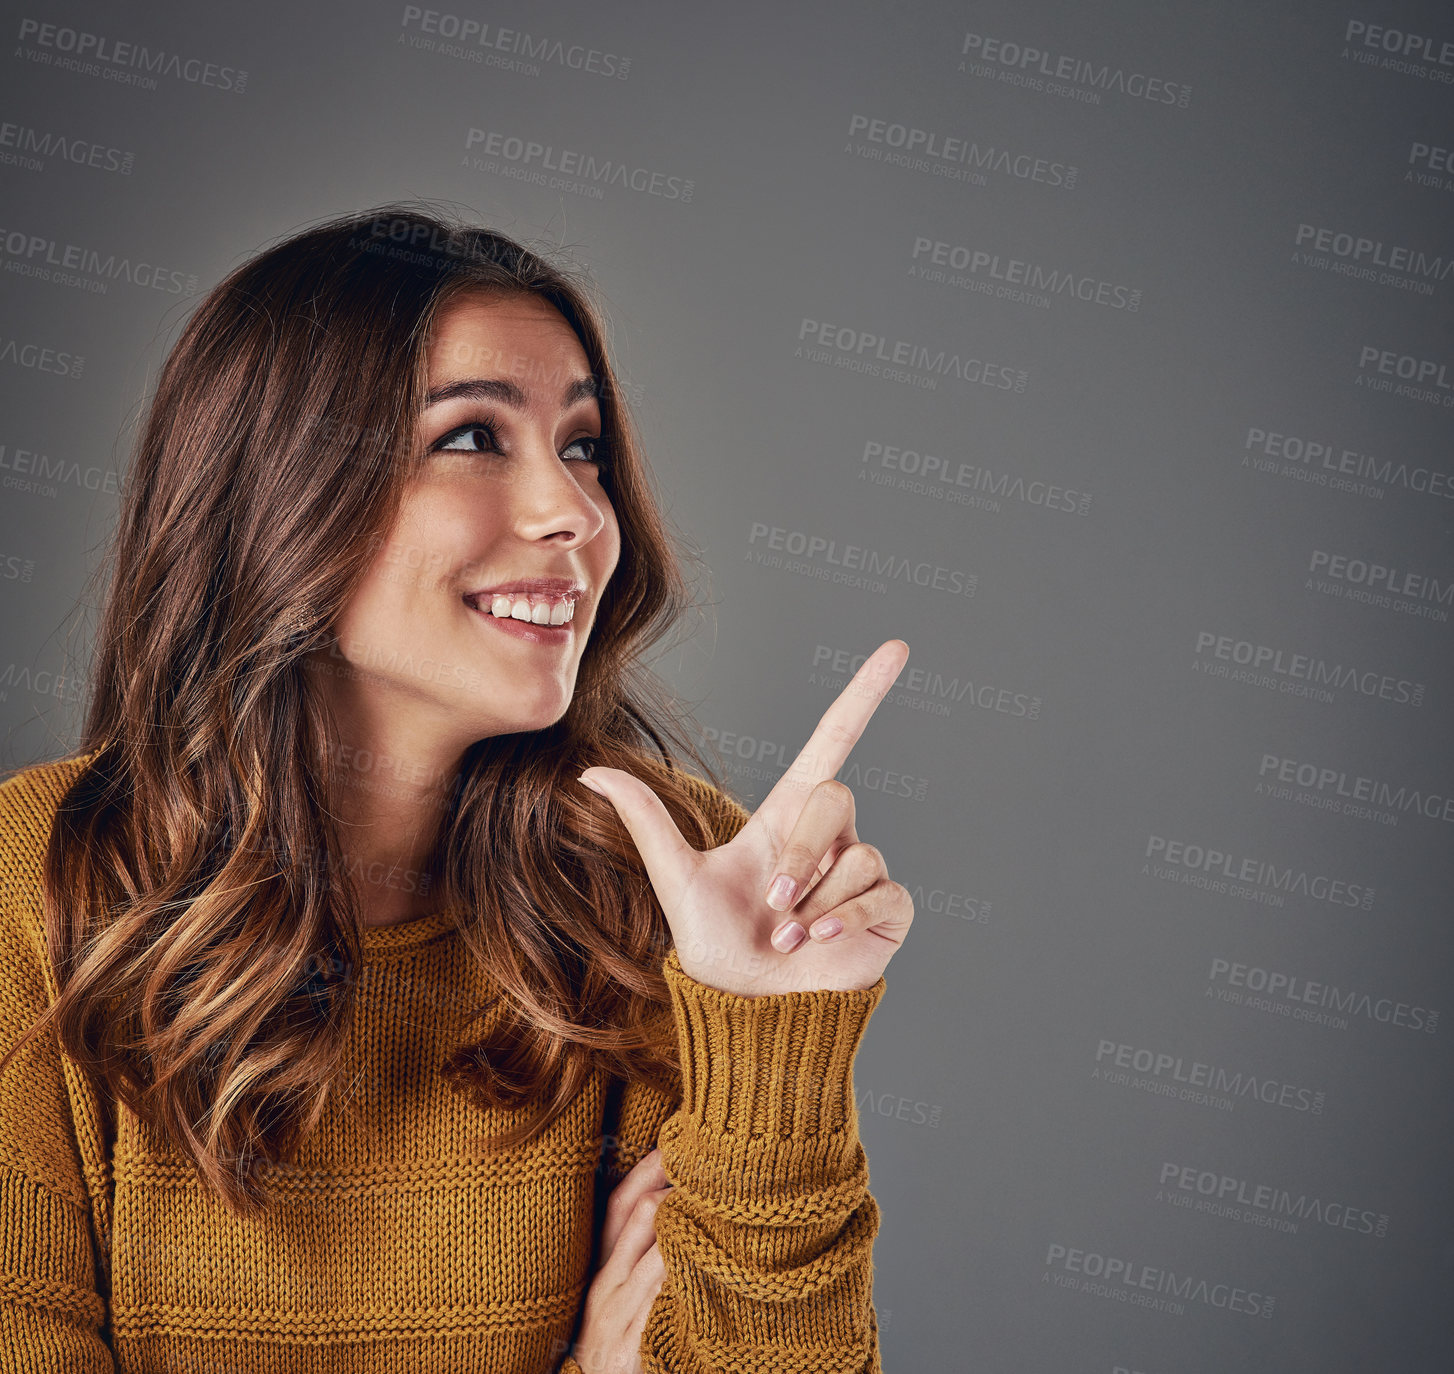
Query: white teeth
[(543, 612)]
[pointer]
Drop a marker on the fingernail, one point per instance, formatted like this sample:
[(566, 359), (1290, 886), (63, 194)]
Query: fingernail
[(780, 894), (787, 938), (826, 929)]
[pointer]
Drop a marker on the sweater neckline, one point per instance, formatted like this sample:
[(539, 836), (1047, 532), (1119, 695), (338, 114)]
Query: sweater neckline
[(405, 934)]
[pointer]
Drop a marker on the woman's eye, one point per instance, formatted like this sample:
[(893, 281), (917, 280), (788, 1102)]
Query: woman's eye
[(461, 440), (479, 437), (595, 448)]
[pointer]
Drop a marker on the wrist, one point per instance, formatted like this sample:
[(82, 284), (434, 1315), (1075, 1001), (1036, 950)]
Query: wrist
[(754, 974)]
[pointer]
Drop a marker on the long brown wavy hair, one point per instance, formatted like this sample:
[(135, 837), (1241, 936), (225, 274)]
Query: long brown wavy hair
[(200, 917)]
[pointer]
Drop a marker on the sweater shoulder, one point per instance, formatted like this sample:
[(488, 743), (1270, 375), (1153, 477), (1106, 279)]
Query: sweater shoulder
[(54, 1130), (29, 796), (29, 799)]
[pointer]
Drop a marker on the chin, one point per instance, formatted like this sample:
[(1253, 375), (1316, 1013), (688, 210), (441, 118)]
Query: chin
[(501, 703), (539, 717)]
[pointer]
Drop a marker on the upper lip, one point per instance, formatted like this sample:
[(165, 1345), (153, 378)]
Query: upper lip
[(540, 586)]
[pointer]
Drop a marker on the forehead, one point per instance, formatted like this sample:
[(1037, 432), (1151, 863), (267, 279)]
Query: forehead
[(519, 336)]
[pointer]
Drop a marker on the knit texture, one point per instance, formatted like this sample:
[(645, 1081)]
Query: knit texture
[(391, 1246)]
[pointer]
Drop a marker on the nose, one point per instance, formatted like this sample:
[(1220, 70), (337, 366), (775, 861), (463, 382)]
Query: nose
[(549, 502)]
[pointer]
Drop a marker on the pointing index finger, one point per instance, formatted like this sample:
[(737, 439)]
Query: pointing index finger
[(840, 727)]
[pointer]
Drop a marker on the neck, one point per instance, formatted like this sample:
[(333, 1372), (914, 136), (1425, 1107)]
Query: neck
[(389, 834)]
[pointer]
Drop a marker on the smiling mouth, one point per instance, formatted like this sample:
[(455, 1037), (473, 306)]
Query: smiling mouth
[(528, 608)]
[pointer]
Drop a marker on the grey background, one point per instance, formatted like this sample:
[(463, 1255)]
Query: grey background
[(991, 1140)]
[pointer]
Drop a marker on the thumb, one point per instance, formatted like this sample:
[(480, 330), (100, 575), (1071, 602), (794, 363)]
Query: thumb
[(668, 857)]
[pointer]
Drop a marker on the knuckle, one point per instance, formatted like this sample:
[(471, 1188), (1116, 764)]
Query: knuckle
[(863, 910), (648, 1160), (882, 898), (797, 858), (839, 793), (898, 898)]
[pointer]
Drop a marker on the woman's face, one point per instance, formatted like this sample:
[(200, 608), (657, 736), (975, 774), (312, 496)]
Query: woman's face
[(507, 492)]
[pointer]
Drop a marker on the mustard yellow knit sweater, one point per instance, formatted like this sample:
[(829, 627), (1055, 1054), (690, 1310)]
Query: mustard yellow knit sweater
[(392, 1247)]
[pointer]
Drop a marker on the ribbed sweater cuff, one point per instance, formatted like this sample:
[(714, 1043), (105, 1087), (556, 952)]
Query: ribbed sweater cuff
[(778, 1066)]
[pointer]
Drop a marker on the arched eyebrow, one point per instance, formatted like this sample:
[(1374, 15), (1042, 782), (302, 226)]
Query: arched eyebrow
[(498, 389)]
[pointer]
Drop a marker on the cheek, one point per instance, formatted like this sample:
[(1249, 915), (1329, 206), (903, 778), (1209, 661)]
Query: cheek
[(609, 539), (434, 535), (377, 604), (410, 564)]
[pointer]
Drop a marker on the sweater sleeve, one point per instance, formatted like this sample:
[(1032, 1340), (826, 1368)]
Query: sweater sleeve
[(768, 1230), (51, 1315), (767, 1233)]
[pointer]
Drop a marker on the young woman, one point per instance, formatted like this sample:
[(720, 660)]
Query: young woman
[(379, 989)]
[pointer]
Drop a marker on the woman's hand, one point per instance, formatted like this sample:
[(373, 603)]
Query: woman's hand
[(728, 932), (629, 1275)]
